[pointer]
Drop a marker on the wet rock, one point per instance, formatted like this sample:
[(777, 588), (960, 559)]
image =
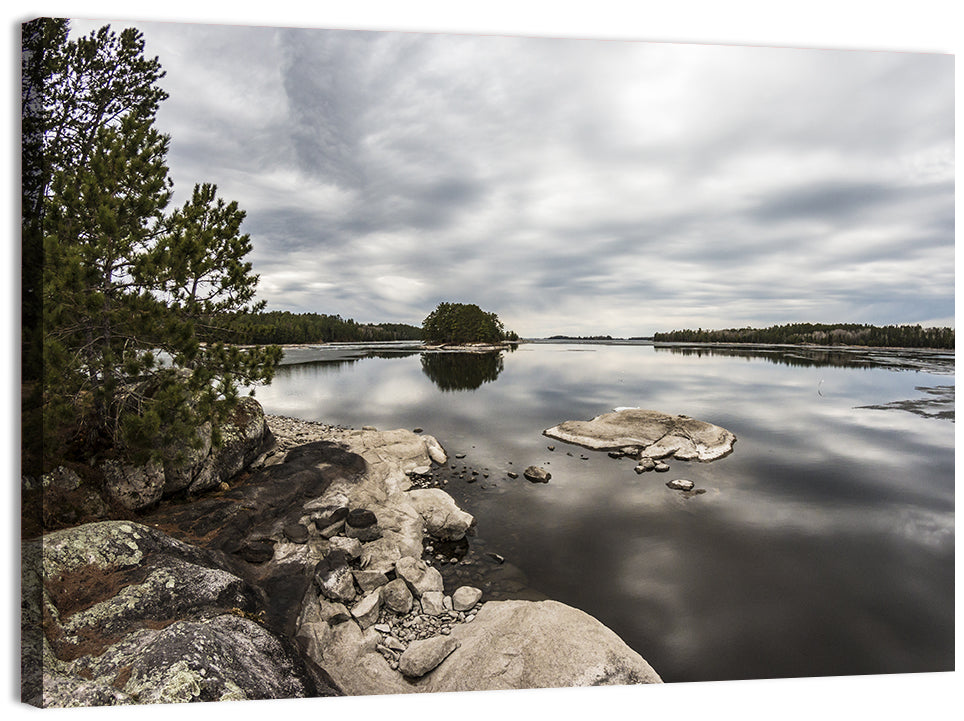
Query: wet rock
[(535, 474), (645, 465), (681, 484), (512, 474), (660, 467)]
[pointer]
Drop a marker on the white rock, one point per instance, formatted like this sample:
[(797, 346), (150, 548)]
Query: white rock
[(465, 597)]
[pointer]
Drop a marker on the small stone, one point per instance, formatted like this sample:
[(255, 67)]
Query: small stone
[(351, 546), (258, 551), (551, 448), (369, 580), (465, 598), (383, 628), (496, 557), (423, 656), (513, 474), (397, 596), (681, 484), (644, 465), (296, 533), (459, 456), (433, 603), (661, 467), (360, 518), (366, 610), (535, 474), (416, 430)]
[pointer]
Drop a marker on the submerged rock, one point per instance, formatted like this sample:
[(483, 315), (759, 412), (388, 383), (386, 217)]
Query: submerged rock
[(656, 434)]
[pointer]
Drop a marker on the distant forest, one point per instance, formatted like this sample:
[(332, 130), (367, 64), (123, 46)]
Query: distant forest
[(283, 327), (894, 336)]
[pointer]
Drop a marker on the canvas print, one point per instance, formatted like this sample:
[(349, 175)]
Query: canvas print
[(368, 362)]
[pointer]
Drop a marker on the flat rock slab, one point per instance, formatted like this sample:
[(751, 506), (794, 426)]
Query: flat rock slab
[(656, 434)]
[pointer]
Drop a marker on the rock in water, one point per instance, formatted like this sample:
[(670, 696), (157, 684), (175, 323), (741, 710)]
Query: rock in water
[(681, 484), (537, 474), (423, 656), (657, 435)]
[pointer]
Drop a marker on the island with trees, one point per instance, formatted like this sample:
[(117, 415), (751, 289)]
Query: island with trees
[(464, 324)]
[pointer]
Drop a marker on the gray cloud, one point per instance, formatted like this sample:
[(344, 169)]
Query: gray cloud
[(572, 185)]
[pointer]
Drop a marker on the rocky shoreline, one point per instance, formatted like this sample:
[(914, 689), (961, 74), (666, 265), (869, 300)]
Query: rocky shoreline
[(328, 543)]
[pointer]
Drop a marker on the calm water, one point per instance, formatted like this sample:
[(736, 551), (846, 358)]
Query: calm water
[(824, 544)]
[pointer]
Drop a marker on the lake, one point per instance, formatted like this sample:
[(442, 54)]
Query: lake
[(823, 545)]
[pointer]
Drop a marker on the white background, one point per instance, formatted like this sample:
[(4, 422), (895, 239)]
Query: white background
[(919, 26)]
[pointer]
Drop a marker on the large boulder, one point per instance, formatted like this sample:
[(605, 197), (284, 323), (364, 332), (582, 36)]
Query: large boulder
[(655, 434), (530, 644), (243, 438), (131, 615)]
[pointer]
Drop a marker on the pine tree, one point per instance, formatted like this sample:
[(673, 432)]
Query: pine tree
[(132, 296)]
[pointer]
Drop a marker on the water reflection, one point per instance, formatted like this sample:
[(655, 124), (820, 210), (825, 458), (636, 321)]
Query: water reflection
[(816, 357), (462, 371), (824, 543)]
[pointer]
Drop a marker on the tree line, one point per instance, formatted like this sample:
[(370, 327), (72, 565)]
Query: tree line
[(894, 336), (283, 327)]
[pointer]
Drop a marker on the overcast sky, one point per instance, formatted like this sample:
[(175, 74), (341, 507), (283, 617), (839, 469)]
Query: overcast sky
[(572, 186)]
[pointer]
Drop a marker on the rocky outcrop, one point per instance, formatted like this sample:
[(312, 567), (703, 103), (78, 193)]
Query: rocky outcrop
[(311, 574), (131, 615), (647, 434), (243, 438)]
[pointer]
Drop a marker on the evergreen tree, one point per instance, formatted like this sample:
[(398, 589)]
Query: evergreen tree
[(132, 296)]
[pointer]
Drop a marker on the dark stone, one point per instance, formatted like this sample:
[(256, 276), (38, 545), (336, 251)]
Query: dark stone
[(257, 551), (360, 518), (296, 533), (513, 474), (537, 475), (329, 516)]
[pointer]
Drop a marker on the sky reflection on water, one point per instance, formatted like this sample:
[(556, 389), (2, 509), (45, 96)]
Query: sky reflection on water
[(824, 544)]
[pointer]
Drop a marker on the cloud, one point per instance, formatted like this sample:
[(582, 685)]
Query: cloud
[(572, 185)]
